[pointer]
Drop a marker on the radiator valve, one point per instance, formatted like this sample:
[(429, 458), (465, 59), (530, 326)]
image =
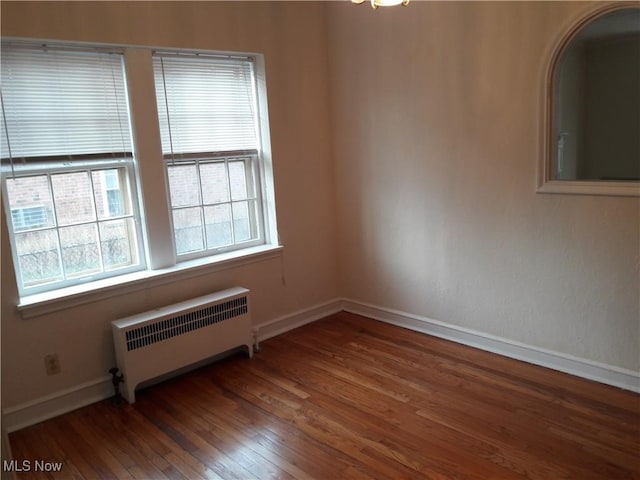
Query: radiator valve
[(116, 380), (256, 344)]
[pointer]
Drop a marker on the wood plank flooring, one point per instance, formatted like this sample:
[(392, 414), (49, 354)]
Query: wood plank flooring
[(351, 398)]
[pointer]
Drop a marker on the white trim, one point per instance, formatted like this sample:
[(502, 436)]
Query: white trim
[(580, 367), (56, 404), (157, 238), (64, 401), (623, 189), (283, 324), (44, 303), (545, 182)]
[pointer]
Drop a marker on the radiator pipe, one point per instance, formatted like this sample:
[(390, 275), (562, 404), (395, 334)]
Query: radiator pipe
[(116, 380)]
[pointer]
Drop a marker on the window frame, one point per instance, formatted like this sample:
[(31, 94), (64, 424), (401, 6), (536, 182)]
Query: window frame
[(176, 152), (152, 193), (73, 167), (254, 173), (546, 181), (94, 67)]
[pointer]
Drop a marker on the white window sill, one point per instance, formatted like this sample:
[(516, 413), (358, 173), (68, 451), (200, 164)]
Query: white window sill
[(44, 303)]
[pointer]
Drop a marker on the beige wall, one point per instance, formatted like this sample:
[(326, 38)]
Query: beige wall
[(435, 118), (293, 39), (437, 114)]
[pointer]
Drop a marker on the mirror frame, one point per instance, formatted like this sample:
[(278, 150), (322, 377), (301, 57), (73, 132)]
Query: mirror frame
[(545, 182)]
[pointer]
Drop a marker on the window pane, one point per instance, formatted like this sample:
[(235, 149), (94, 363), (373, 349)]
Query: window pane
[(238, 180), (38, 257), (109, 197), (244, 221), (218, 224), (30, 203), (52, 254), (187, 226), (215, 186), (79, 245), (74, 198), (230, 209), (117, 241), (183, 185)]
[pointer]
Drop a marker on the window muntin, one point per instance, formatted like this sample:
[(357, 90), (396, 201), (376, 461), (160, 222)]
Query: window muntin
[(79, 236), (208, 122), (67, 153), (215, 204)]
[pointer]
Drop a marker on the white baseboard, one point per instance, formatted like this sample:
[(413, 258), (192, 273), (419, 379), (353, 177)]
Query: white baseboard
[(297, 319), (50, 406), (607, 374), (59, 403)]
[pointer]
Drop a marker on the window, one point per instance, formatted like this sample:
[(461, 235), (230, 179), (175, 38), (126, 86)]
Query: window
[(208, 121), (594, 108), (81, 207), (65, 139), (214, 203), (28, 218), (83, 237), (113, 194)]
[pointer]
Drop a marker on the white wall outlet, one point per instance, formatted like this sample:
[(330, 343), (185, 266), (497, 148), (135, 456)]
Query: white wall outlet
[(52, 364)]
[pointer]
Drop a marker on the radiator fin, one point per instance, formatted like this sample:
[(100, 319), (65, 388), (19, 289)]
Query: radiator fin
[(184, 323)]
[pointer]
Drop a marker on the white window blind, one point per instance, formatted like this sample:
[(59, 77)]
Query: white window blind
[(205, 104), (63, 103)]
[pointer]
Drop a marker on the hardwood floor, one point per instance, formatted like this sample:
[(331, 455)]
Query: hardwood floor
[(351, 398)]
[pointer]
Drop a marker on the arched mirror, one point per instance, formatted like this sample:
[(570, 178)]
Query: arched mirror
[(594, 138)]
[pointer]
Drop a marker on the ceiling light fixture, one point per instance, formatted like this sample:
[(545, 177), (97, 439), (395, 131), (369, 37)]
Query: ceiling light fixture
[(383, 3)]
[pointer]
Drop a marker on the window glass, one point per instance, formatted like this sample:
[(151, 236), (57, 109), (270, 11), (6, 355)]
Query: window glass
[(67, 239), (214, 204)]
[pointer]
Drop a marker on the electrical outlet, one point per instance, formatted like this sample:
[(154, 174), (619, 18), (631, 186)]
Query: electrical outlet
[(52, 364)]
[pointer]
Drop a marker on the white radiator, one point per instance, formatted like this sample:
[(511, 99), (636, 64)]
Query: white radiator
[(161, 341)]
